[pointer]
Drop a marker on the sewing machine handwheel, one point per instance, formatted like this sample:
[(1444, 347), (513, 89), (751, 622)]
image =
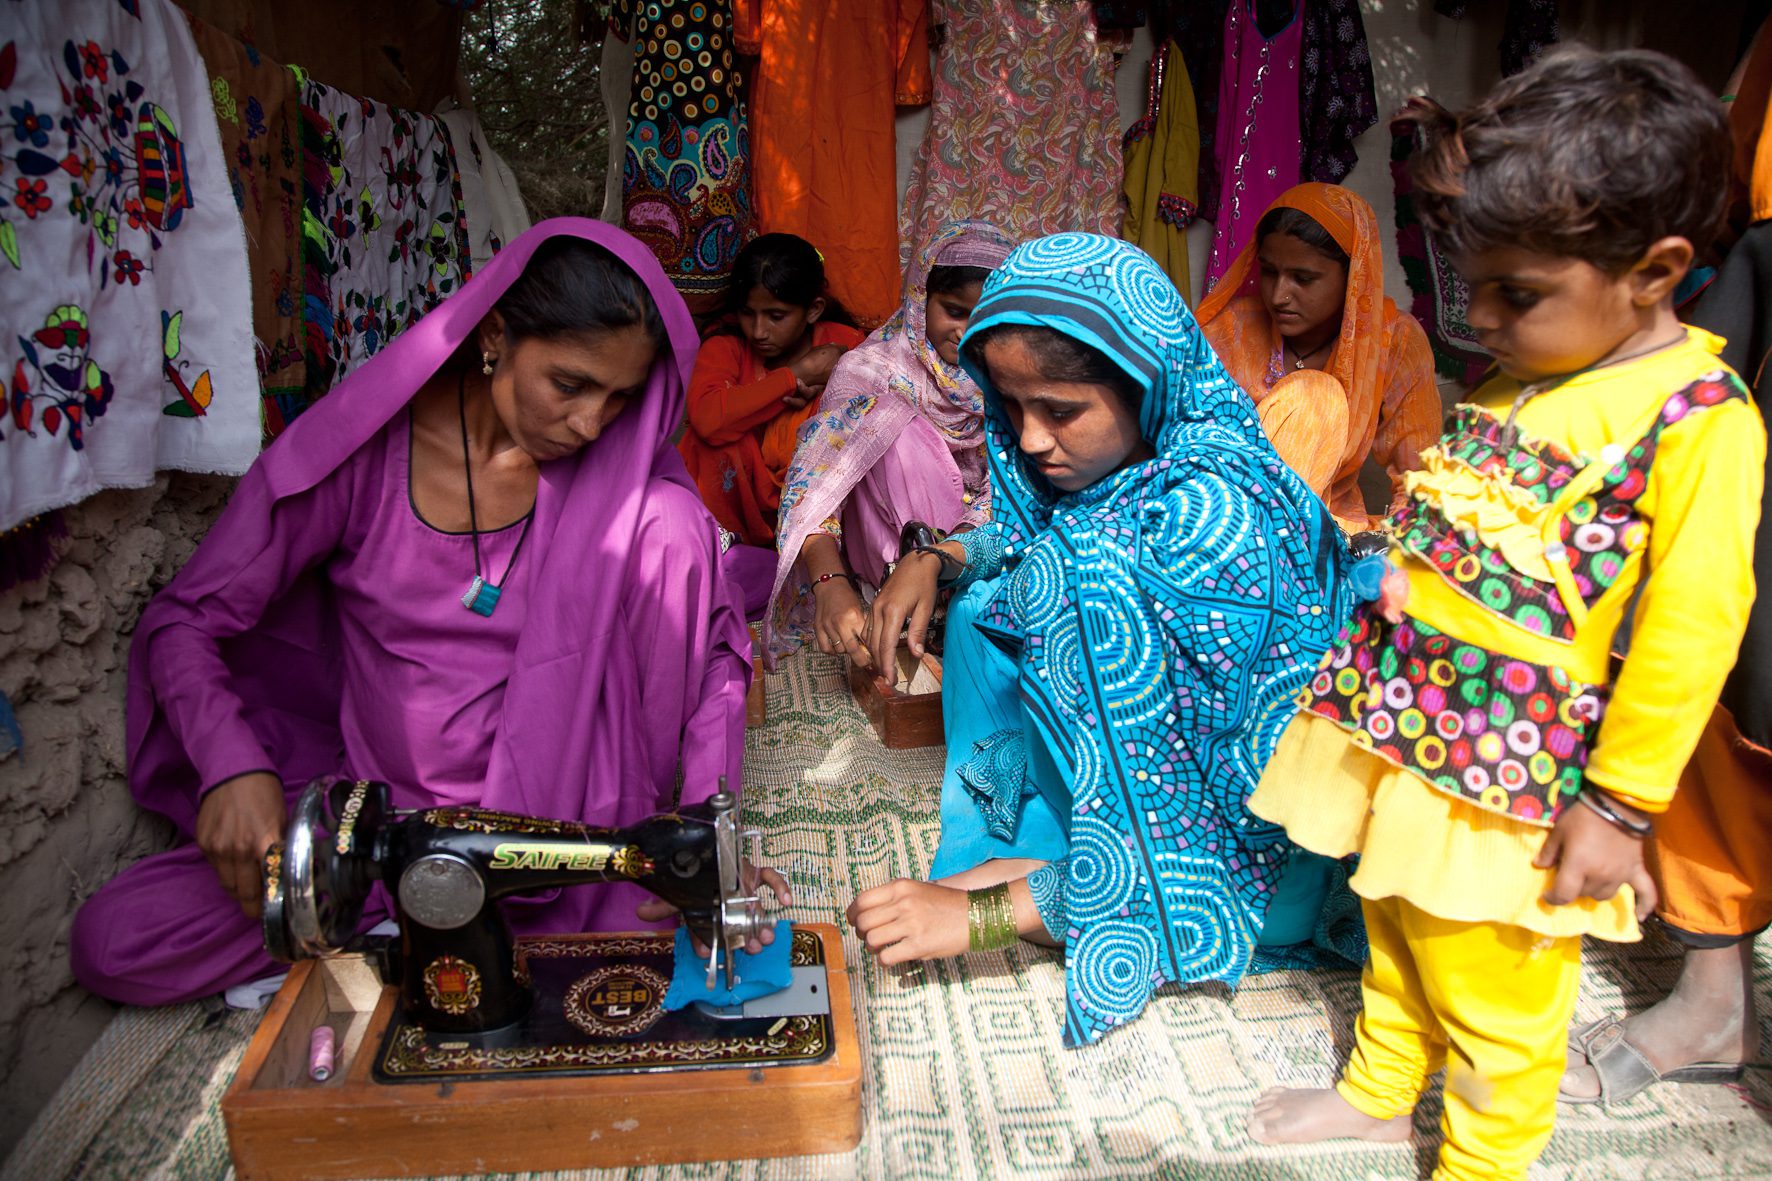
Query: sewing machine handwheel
[(274, 918), (325, 868)]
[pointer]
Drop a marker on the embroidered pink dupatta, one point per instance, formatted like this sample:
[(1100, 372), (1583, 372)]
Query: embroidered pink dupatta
[(877, 390)]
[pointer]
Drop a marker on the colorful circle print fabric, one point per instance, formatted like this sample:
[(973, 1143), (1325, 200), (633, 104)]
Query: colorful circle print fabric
[(685, 179)]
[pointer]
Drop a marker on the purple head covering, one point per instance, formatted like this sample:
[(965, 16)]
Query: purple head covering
[(879, 386), (588, 511)]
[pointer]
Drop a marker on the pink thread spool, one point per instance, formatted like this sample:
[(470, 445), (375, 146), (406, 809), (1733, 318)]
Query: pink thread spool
[(321, 1048)]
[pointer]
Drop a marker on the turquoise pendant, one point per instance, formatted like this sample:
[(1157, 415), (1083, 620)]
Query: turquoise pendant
[(481, 596)]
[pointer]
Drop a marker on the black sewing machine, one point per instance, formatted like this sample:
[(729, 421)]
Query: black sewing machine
[(534, 1053), (445, 869)]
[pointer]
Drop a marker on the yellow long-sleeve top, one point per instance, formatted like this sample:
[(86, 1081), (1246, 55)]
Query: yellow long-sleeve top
[(1638, 482)]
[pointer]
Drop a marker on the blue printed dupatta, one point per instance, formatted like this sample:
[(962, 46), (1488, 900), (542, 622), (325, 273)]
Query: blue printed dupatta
[(1164, 619)]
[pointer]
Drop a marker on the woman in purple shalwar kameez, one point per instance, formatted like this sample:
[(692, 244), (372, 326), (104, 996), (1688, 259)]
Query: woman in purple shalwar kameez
[(518, 437)]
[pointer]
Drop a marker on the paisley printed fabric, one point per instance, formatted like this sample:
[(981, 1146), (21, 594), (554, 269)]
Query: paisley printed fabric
[(1025, 128), (1508, 735), (1163, 620), (384, 238), (125, 306), (1479, 510), (686, 172)]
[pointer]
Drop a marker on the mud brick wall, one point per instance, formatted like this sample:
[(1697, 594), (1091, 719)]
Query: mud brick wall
[(67, 823)]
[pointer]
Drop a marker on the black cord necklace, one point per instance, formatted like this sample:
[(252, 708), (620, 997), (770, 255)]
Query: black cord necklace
[(1298, 358), (481, 596)]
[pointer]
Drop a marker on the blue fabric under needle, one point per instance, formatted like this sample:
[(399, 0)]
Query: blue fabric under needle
[(758, 975)]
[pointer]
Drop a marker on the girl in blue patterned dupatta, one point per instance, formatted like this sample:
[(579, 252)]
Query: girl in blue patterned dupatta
[(1154, 589)]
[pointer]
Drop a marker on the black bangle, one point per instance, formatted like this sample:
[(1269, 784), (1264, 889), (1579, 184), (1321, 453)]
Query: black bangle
[(946, 558), (1606, 808)]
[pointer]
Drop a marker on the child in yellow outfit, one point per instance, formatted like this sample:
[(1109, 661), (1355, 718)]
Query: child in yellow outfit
[(1467, 736)]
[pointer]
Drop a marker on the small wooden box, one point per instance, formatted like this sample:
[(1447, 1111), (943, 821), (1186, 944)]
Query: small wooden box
[(282, 1126), (755, 705), (902, 720)]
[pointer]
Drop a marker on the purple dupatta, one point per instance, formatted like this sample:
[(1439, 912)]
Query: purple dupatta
[(588, 512)]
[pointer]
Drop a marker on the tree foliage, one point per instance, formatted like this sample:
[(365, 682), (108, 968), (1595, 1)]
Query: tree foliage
[(532, 66)]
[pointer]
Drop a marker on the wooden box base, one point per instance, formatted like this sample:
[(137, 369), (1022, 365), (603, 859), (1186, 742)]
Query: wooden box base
[(755, 711), (902, 720), (282, 1126)]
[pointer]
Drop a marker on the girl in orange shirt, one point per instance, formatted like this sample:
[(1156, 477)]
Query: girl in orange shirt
[(757, 378)]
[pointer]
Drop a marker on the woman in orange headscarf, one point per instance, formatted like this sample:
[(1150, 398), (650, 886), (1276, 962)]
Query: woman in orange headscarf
[(1337, 372)]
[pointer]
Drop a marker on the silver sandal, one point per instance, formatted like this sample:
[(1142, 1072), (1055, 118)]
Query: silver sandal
[(1625, 1071)]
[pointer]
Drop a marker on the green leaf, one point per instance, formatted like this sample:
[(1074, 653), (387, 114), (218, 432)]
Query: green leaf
[(9, 243), (173, 326)]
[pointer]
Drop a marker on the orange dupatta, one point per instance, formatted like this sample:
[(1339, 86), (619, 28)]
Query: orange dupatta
[(1381, 361)]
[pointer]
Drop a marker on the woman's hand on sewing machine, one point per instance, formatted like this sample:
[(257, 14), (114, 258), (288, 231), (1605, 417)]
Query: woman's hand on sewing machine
[(906, 920), (238, 820), (656, 909)]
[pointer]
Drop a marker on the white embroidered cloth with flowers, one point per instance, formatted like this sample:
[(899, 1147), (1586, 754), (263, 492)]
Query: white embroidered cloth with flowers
[(125, 309)]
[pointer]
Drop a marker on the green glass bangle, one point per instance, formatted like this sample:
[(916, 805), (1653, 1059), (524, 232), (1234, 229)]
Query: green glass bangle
[(990, 918)]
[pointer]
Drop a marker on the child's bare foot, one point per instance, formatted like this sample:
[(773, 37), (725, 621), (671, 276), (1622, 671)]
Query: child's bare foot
[(1296, 1116)]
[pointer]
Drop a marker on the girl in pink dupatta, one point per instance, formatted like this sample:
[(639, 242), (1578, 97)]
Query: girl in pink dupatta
[(536, 621), (898, 438)]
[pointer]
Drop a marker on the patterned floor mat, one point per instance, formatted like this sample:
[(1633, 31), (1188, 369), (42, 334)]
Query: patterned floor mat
[(965, 1075)]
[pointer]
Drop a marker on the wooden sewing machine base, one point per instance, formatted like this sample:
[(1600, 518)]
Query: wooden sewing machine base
[(476, 1117)]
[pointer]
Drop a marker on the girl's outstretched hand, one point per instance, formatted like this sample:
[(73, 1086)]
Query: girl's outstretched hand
[(1593, 857), (906, 920), (840, 621), (909, 596)]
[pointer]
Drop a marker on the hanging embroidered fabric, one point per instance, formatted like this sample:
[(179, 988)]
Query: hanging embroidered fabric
[(490, 200), (1162, 153), (1531, 28), (1024, 132), (1307, 90), (1336, 100), (128, 321), (1441, 295), (686, 173), (384, 236), (258, 109), (1258, 128)]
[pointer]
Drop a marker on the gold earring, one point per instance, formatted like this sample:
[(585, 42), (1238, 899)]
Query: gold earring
[(486, 364)]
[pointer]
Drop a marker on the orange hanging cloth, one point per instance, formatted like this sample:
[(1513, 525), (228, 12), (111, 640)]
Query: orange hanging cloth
[(1381, 360), (829, 79)]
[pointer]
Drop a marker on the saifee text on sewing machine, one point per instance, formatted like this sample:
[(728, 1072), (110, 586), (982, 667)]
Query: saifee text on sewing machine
[(456, 1048)]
